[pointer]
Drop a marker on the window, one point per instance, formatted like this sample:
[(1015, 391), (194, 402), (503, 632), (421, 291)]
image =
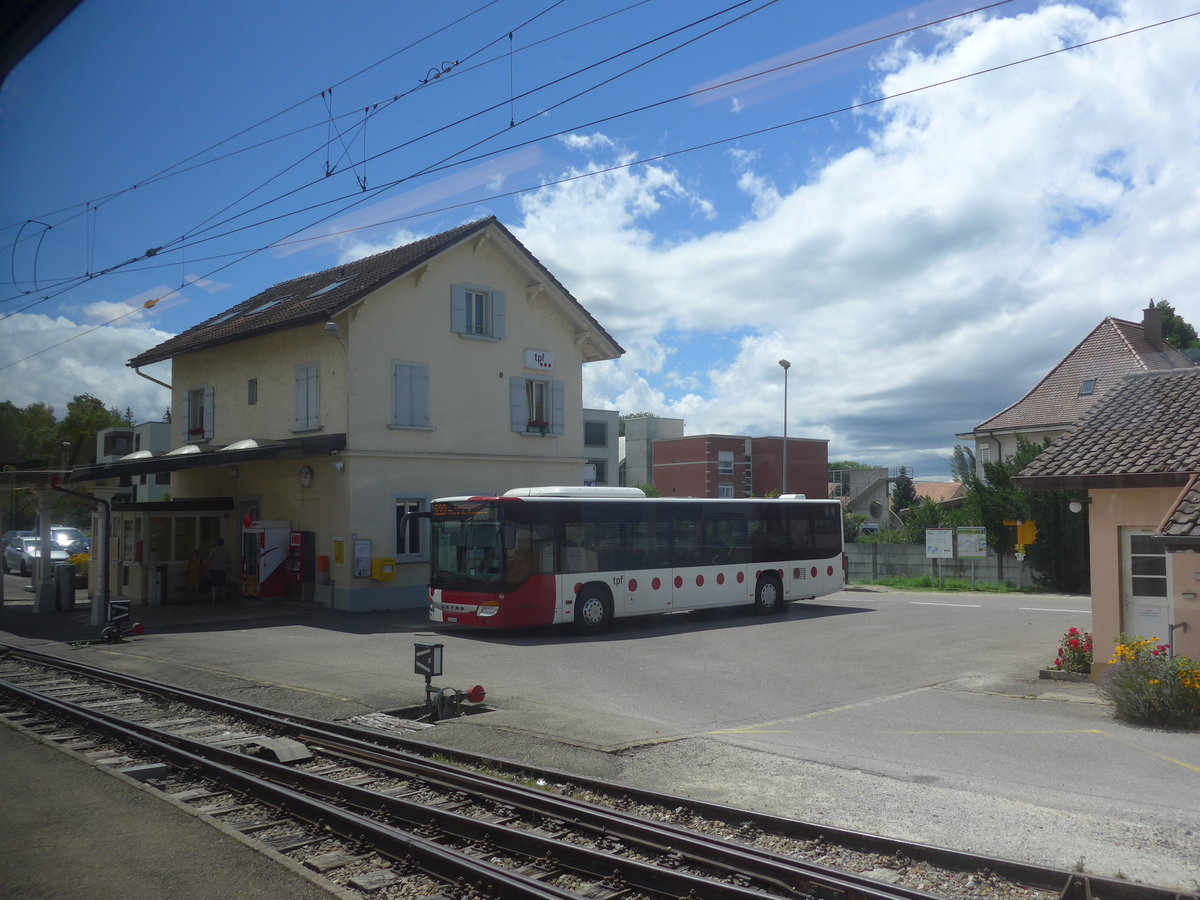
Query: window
[(409, 545), (198, 415), (118, 443), (595, 434), (476, 311), (308, 414), (252, 392), (410, 395), (1088, 387), (535, 399), (725, 489), (537, 405), (725, 464)]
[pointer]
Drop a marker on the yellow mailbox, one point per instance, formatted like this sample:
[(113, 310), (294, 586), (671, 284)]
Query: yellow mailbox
[(383, 569)]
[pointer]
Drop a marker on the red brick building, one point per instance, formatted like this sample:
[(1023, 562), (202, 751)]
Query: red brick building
[(728, 465)]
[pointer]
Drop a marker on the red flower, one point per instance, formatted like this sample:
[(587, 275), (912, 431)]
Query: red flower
[(1073, 643), (1072, 631)]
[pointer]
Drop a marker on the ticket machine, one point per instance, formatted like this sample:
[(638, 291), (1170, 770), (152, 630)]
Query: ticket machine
[(265, 548), (302, 564)]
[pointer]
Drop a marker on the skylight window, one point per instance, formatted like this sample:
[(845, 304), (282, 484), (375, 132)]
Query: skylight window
[(225, 318), (331, 286), (265, 306), (1088, 387)]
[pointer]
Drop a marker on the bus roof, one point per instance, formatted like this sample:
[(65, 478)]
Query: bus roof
[(578, 491)]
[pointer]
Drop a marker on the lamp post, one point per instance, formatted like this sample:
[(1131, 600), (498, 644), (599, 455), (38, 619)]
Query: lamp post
[(786, 365)]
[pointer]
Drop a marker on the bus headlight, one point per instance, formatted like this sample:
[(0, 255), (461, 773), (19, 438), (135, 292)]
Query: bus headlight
[(488, 609)]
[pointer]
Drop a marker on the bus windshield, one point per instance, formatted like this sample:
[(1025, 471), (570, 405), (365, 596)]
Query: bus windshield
[(468, 545)]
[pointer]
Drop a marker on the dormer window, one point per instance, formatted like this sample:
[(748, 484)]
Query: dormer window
[(1088, 387)]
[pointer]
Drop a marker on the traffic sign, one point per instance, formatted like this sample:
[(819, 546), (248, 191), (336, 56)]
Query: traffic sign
[(428, 659)]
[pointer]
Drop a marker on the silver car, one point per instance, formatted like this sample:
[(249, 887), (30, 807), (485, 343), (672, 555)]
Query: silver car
[(21, 552)]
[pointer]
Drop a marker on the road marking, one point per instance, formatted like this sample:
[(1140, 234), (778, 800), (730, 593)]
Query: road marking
[(765, 727), (928, 603), (993, 733), (1170, 759), (1085, 612)]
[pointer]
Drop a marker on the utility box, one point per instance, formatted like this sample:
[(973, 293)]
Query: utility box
[(64, 586), (383, 569)]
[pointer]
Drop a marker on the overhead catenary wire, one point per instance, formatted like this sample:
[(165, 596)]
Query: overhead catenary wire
[(193, 234), (662, 156), (182, 166)]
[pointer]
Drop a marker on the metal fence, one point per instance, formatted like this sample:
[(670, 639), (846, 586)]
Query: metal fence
[(868, 562)]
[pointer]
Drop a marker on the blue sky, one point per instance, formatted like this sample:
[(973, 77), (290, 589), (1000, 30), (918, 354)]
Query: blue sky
[(710, 179)]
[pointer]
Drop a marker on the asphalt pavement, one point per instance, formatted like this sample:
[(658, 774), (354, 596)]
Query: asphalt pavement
[(955, 741)]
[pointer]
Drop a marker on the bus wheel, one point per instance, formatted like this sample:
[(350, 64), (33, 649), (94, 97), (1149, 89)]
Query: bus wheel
[(593, 611), (768, 595)]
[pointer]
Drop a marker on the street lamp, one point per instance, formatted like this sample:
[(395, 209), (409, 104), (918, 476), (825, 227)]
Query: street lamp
[(786, 365)]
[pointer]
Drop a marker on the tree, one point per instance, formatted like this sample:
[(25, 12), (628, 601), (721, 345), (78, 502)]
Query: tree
[(962, 465), (649, 490), (1179, 333), (86, 417), (904, 492)]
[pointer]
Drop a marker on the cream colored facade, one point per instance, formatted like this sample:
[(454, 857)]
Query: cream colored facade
[(1137, 510), (470, 444)]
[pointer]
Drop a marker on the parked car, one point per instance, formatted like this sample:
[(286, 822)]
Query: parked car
[(21, 552), (65, 535), (9, 535)]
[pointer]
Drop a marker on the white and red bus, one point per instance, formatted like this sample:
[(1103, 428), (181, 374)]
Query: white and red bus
[(541, 556)]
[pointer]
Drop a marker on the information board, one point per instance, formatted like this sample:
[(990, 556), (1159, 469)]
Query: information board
[(939, 543), (972, 542)]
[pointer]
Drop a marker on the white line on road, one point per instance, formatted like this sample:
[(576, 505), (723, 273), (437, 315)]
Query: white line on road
[(1087, 612), (926, 603)]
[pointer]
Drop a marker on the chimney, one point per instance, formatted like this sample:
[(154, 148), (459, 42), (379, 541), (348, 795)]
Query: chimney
[(1152, 325)]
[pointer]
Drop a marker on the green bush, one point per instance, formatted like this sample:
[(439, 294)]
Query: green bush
[(1146, 686)]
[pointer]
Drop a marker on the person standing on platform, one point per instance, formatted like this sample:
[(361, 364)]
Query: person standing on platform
[(218, 562)]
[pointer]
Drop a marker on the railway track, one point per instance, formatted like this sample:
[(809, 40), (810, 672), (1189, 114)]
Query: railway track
[(372, 815)]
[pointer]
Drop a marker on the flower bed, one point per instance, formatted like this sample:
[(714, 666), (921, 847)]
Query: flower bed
[(1149, 686)]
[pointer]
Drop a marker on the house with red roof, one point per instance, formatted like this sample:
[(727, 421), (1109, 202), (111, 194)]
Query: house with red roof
[(1111, 350), (1136, 452), (330, 405)]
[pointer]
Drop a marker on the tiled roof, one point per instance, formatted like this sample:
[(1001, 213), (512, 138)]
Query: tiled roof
[(939, 491), (316, 297), (1183, 521), (1113, 348), (1145, 428)]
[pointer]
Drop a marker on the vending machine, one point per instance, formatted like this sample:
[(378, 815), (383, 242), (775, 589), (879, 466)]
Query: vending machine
[(302, 564), (265, 548)]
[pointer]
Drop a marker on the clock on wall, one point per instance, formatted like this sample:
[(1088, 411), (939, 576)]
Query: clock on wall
[(306, 476)]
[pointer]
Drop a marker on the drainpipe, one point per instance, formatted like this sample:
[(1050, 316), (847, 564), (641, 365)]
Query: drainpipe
[(152, 378)]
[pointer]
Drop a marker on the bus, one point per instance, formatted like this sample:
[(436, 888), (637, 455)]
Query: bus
[(584, 556)]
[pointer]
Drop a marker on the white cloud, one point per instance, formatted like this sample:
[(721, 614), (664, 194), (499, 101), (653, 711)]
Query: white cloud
[(924, 280), (88, 360)]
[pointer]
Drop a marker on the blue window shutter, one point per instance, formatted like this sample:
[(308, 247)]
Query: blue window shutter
[(208, 413), (307, 396), (458, 309), (558, 416), (301, 398), (420, 396), (518, 405), (401, 394), (314, 398), (411, 392), (497, 314)]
